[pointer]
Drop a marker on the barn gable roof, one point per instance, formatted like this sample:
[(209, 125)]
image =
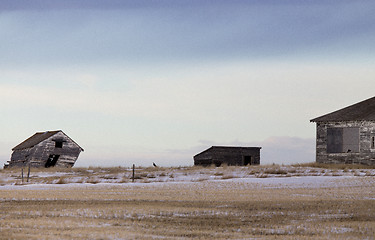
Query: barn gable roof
[(38, 138), (228, 147), (362, 111)]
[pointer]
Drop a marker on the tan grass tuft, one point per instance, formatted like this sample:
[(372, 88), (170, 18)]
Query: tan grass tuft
[(62, 180)]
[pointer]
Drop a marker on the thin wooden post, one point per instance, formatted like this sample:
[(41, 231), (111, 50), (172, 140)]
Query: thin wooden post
[(133, 176), (22, 175), (28, 174)]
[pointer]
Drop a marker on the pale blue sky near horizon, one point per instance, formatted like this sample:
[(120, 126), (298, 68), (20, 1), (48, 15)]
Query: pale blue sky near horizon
[(160, 81)]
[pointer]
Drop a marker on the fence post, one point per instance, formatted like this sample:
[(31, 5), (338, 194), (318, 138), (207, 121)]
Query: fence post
[(28, 174), (133, 176), (22, 175)]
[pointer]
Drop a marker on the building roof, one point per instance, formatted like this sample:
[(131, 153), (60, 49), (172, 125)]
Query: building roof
[(228, 148), (362, 111), (36, 139)]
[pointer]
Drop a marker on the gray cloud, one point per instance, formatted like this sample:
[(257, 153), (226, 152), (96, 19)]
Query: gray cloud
[(42, 5), (139, 32)]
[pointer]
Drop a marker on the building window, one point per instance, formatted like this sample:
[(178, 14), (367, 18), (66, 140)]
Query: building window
[(373, 142), (58, 144), (343, 140)]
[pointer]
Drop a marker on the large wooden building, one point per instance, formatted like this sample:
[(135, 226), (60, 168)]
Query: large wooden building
[(46, 149), (218, 155), (347, 136)]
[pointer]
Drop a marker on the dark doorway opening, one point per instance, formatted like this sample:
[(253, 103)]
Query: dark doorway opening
[(52, 160), (246, 160)]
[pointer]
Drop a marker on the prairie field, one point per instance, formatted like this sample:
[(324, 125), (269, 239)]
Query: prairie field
[(262, 202)]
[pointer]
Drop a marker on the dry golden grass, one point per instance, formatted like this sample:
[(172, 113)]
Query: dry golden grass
[(201, 210), (177, 174), (334, 166)]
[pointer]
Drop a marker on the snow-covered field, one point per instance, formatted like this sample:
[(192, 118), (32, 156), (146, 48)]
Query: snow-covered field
[(177, 174), (262, 202), (265, 183)]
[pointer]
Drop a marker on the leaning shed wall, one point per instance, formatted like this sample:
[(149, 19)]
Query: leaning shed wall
[(68, 153), (22, 157), (46, 149), (364, 153)]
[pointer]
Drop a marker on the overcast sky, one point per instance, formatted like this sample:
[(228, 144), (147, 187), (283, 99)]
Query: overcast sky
[(160, 81)]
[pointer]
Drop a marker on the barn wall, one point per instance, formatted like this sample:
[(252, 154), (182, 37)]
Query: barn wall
[(366, 154), (230, 156), (21, 158), (205, 158), (39, 154), (68, 153)]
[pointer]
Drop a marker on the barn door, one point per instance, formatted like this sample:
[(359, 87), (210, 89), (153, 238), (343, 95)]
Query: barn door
[(247, 160), (52, 160)]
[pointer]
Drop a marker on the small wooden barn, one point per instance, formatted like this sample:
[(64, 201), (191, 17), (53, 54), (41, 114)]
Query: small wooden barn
[(46, 149), (218, 155), (347, 136)]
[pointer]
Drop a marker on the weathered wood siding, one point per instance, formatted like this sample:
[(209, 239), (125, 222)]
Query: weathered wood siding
[(228, 155), (38, 155), (205, 158), (366, 154), (21, 158)]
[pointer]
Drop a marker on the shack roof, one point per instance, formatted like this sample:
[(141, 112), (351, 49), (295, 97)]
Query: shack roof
[(36, 139), (229, 148), (362, 111)]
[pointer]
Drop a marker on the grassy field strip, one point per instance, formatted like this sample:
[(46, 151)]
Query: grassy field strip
[(286, 208), (178, 174)]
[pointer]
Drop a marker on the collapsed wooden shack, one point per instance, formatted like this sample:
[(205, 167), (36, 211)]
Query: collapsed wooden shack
[(218, 155), (45, 149), (347, 136)]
